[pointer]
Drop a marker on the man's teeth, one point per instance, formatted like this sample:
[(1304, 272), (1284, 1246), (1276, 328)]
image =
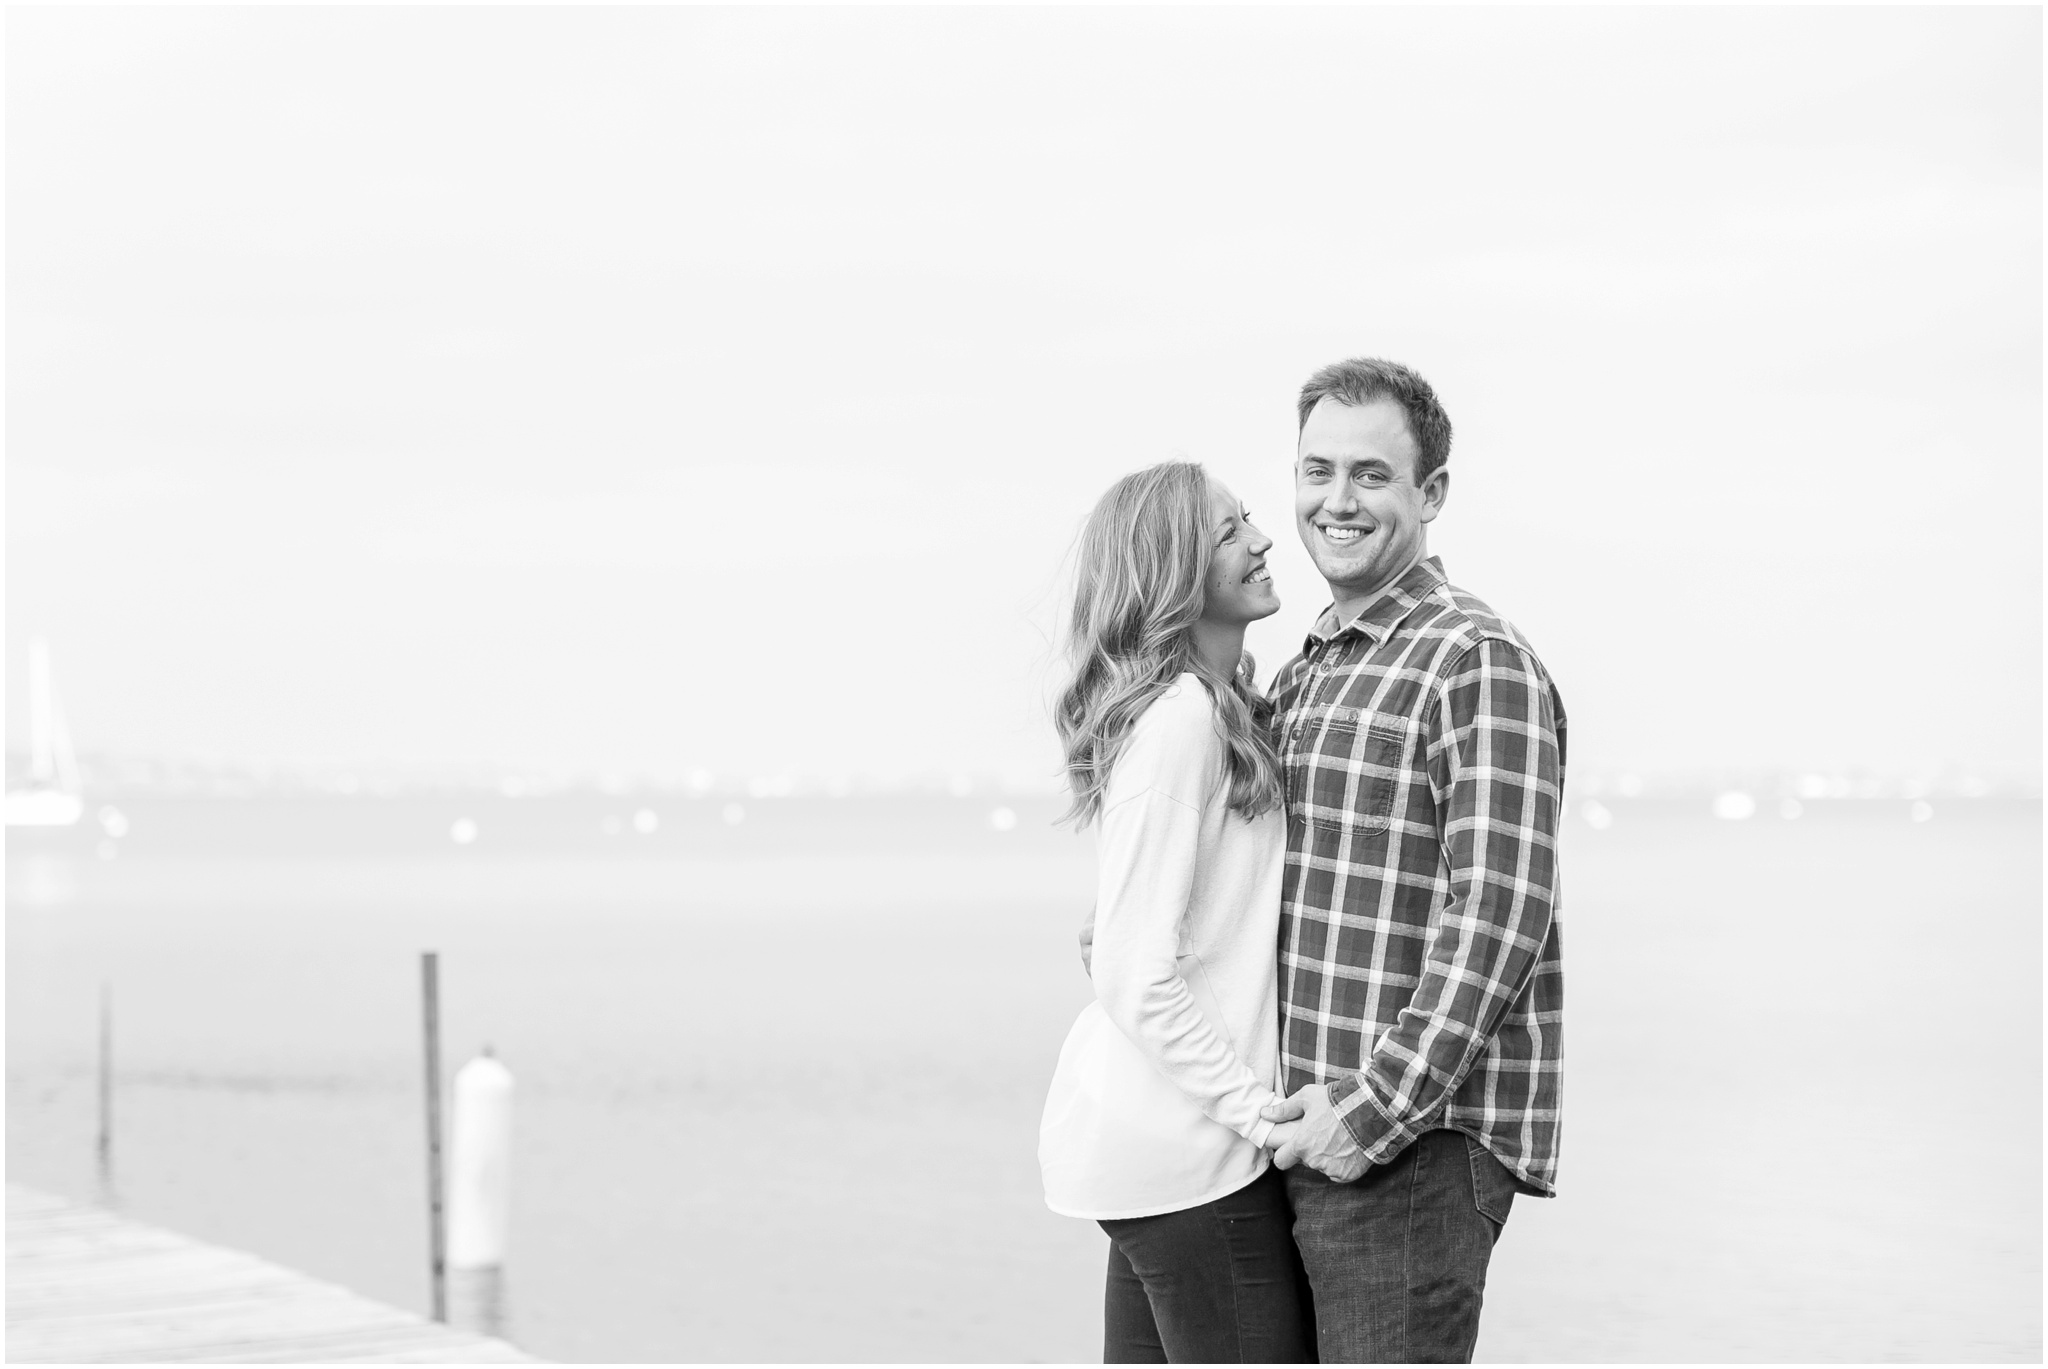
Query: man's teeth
[(1343, 534), (1256, 576)]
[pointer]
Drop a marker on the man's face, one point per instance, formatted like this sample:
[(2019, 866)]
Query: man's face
[(1360, 511)]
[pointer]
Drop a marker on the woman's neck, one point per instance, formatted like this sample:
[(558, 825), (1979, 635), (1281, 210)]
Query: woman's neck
[(1219, 646)]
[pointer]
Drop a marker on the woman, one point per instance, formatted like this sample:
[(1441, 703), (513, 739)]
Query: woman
[(1152, 1126)]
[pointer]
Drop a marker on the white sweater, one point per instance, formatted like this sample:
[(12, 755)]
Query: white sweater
[(1155, 1104)]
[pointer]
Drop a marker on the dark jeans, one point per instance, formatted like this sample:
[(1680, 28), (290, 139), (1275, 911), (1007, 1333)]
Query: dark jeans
[(1398, 1259), (1215, 1284)]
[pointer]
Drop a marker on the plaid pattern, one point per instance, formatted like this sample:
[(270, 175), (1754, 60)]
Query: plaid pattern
[(1420, 970)]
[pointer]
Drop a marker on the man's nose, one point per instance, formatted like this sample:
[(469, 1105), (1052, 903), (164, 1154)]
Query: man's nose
[(1342, 500)]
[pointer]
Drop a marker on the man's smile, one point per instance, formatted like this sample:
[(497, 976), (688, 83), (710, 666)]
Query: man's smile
[(1342, 534)]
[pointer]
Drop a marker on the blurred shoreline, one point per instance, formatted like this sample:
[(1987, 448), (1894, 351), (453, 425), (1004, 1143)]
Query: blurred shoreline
[(478, 824), (111, 777)]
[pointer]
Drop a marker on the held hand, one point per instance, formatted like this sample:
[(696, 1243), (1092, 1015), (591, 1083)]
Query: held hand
[(1279, 1138), (1286, 1110), (1320, 1139)]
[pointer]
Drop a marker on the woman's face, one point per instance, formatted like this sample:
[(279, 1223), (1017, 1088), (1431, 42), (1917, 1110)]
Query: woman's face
[(1239, 590)]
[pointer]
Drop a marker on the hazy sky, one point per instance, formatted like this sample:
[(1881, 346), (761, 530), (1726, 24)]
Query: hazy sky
[(649, 388)]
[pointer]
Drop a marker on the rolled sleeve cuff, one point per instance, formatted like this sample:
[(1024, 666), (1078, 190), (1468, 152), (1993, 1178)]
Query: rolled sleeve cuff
[(1262, 1131), (1379, 1134)]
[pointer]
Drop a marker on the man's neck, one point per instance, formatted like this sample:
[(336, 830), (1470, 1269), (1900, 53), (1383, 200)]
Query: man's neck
[(1349, 603)]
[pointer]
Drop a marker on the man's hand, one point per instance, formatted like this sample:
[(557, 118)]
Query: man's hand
[(1316, 1137)]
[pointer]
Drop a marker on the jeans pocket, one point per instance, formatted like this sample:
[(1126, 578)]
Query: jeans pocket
[(1493, 1188)]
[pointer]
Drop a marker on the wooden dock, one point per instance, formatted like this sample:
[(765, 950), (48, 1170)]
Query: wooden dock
[(84, 1285)]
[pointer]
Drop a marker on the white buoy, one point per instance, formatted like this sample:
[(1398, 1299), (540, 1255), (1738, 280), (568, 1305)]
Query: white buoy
[(480, 1164), (1734, 806)]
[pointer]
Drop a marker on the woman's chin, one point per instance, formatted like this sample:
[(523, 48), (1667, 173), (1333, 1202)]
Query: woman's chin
[(1264, 606), (1248, 606)]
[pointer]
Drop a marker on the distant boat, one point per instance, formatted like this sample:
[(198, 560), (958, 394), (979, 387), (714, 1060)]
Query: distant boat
[(52, 797)]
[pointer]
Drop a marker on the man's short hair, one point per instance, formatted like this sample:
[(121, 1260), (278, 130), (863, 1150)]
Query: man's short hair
[(1362, 380)]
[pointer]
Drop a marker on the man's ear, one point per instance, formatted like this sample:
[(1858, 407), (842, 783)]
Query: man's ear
[(1435, 491)]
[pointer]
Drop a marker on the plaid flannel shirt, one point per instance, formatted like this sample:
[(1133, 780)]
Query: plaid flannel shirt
[(1420, 973)]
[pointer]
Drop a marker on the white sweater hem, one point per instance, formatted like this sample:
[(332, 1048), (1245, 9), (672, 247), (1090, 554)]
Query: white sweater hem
[(1265, 1163)]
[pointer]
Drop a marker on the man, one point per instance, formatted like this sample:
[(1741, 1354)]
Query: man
[(1420, 982)]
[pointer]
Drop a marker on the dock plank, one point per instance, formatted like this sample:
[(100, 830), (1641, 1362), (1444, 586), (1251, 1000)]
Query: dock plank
[(86, 1286)]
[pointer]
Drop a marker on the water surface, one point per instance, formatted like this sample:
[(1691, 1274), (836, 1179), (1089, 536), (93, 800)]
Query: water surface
[(779, 1080)]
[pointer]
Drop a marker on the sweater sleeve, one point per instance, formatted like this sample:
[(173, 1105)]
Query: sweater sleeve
[(1150, 838)]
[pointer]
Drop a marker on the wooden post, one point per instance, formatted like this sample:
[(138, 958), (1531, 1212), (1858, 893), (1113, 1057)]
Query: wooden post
[(430, 985), (103, 1151)]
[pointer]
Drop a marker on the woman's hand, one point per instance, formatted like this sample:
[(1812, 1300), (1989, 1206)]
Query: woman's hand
[(1319, 1139)]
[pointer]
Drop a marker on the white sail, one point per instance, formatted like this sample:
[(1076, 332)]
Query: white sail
[(53, 797)]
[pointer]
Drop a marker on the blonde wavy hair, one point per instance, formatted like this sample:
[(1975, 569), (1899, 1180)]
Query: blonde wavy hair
[(1141, 567)]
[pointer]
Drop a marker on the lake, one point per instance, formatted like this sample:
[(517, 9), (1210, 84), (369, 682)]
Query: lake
[(779, 1077)]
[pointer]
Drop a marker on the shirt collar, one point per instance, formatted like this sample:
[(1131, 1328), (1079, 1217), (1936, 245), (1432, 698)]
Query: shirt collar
[(1378, 619)]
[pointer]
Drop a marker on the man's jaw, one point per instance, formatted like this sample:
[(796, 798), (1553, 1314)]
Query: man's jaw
[(1359, 580)]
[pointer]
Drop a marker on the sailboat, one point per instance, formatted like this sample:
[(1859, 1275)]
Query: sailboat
[(52, 797)]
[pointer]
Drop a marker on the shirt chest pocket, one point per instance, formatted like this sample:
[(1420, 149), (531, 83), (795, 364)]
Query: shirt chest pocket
[(1345, 768)]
